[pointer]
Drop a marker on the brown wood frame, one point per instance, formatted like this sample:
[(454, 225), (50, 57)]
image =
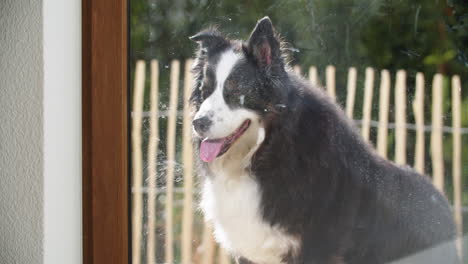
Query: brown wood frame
[(105, 132)]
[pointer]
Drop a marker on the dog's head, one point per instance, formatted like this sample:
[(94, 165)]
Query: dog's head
[(236, 86)]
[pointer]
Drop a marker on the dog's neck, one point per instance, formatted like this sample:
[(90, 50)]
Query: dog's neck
[(236, 160)]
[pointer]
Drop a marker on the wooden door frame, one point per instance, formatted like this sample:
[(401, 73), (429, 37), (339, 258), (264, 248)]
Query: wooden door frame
[(105, 131)]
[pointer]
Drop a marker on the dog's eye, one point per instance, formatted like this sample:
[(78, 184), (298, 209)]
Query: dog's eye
[(206, 90), (204, 94)]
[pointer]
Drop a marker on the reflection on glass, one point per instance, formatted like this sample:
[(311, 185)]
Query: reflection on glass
[(377, 58)]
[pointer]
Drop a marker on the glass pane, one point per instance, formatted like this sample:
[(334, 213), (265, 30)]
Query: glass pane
[(398, 71)]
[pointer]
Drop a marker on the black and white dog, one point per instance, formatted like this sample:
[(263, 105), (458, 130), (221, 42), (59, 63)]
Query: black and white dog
[(286, 176)]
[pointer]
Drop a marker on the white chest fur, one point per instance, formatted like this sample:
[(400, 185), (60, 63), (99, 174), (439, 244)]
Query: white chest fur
[(232, 204)]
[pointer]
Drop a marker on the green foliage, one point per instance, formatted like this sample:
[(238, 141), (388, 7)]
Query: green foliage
[(441, 58), (419, 35)]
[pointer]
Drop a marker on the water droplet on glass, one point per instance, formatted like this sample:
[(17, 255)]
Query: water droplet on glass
[(281, 105)]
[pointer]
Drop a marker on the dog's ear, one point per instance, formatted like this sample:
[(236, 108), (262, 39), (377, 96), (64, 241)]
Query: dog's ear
[(264, 45), (210, 40)]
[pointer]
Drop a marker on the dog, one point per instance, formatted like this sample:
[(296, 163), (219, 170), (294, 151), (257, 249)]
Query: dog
[(286, 176)]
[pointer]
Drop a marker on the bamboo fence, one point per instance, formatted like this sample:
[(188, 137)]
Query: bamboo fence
[(182, 241)]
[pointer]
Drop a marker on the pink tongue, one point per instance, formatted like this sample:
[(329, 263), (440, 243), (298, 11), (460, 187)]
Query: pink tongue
[(209, 150)]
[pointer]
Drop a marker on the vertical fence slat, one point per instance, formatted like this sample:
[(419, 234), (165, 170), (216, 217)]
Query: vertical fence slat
[(223, 257), (330, 76), (152, 161), (313, 76), (436, 135), (171, 136), (137, 162), (418, 109), (208, 245), (384, 100), (400, 117), (187, 215), (367, 106), (297, 69), (457, 161), (351, 94)]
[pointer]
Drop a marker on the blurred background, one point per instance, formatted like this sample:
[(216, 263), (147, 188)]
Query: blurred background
[(419, 36)]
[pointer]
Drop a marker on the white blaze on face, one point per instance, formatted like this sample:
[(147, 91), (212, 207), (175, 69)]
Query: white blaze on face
[(224, 120)]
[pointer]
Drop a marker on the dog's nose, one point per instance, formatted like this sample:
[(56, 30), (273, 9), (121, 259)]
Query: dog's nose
[(201, 125)]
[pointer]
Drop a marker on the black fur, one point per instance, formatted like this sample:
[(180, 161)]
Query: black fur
[(321, 181)]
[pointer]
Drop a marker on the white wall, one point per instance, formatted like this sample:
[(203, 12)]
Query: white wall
[(40, 131), (62, 131), (21, 137)]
